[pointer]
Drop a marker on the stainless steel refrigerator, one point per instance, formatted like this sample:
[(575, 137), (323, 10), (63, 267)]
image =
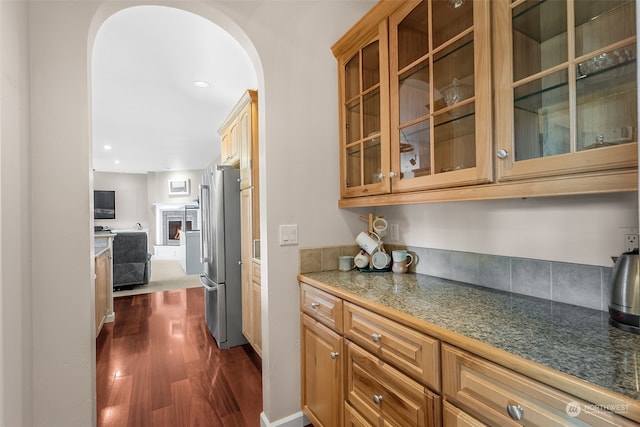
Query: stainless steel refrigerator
[(221, 258)]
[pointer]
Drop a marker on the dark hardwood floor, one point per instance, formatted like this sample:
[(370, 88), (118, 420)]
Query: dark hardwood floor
[(157, 365)]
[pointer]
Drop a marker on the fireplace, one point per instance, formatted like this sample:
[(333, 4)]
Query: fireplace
[(172, 219), (176, 227)]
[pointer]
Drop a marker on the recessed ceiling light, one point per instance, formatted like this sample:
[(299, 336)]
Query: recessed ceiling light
[(201, 83), (116, 161), (107, 147)]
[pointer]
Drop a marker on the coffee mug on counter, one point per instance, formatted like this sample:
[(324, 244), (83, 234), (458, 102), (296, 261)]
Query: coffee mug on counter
[(368, 243), (345, 263), (399, 266), (361, 260), (380, 260), (402, 255)]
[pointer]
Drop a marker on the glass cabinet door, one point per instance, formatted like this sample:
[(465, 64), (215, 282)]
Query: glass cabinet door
[(568, 94), (439, 135), (364, 143)]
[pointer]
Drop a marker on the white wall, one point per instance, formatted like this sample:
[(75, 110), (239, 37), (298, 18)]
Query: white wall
[(132, 205), (160, 186), (583, 229), (299, 177), (16, 390)]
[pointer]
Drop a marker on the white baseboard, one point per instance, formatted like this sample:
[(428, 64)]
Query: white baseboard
[(295, 420)]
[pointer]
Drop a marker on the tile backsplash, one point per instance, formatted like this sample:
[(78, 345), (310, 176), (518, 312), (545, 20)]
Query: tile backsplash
[(576, 284)]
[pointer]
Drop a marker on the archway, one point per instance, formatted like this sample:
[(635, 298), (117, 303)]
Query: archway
[(180, 12)]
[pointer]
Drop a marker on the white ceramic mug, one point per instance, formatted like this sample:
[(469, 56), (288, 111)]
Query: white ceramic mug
[(345, 263), (368, 243), (380, 226), (402, 255), (362, 259), (380, 260)]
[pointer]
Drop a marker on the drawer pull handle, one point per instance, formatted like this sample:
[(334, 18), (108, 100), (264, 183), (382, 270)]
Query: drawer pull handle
[(377, 398), (376, 337), (515, 411), (314, 305), (334, 354)]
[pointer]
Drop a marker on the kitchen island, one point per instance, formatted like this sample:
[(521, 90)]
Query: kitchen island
[(571, 349)]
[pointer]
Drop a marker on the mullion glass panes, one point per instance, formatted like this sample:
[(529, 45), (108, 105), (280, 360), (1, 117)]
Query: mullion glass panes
[(370, 66), (413, 36), (601, 23), (371, 113), (413, 93), (354, 162), (352, 118), (454, 134), (539, 36), (607, 99), (352, 78), (372, 161), (541, 117), (415, 150), (450, 18), (453, 73)]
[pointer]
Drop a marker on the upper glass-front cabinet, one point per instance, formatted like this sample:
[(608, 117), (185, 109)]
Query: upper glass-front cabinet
[(440, 82), (364, 117), (567, 93)]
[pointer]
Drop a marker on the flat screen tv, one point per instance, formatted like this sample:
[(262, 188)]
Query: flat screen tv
[(104, 204)]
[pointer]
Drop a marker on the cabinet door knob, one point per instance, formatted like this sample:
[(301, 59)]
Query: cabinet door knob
[(334, 354), (376, 337), (392, 174), (314, 305), (377, 398), (502, 154), (515, 411)]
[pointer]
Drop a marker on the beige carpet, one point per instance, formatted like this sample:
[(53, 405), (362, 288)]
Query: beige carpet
[(166, 275)]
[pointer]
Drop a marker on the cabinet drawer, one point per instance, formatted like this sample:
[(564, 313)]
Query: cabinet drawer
[(412, 352), (490, 392), (454, 417), (384, 395), (322, 306)]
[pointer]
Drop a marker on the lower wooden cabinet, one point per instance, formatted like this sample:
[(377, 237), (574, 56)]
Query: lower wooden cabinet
[(385, 396), (499, 396), (352, 418), (454, 417), (102, 285), (322, 368), (255, 302)]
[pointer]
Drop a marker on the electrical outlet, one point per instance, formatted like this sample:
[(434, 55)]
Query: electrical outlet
[(630, 242), (628, 238), (394, 234)]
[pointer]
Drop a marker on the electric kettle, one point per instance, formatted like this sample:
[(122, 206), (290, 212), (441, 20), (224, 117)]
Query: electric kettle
[(624, 308)]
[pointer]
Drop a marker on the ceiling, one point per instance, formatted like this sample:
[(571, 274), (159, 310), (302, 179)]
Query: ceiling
[(145, 105)]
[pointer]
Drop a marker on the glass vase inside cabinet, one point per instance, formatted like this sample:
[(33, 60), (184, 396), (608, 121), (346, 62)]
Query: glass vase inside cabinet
[(566, 87), (440, 94), (364, 140)]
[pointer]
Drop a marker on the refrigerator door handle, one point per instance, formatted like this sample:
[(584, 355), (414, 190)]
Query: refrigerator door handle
[(205, 283), (204, 238)]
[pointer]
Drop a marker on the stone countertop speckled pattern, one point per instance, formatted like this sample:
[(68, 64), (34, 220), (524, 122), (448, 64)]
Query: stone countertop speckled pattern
[(573, 340)]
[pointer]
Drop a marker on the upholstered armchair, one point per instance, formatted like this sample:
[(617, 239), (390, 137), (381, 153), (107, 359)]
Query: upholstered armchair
[(131, 261)]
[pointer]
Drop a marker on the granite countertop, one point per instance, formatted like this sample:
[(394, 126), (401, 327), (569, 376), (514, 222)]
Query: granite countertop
[(573, 340)]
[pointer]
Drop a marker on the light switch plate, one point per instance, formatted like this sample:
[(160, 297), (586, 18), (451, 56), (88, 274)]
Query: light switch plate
[(288, 235)]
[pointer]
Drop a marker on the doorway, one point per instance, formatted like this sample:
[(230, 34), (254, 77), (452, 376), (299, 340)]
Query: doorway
[(162, 80)]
